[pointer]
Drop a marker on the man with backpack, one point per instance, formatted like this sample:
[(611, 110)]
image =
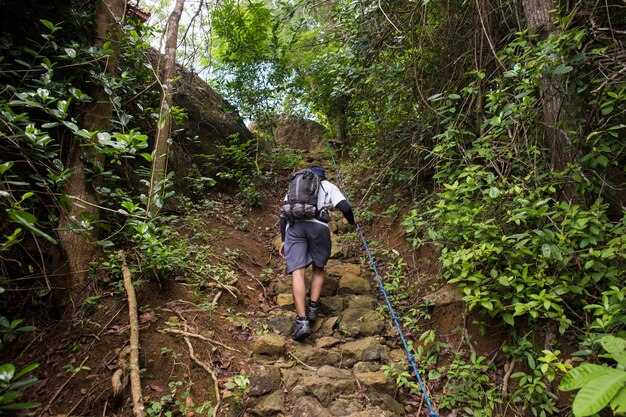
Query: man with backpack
[(306, 240)]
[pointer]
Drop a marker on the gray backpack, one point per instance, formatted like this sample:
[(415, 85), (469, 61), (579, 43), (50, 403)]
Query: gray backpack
[(301, 201)]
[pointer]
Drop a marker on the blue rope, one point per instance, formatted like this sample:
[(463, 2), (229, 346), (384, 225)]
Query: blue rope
[(395, 319)]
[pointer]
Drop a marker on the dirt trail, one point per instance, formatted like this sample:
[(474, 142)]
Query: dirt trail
[(243, 340)]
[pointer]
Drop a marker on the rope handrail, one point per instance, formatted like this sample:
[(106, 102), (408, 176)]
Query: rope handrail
[(410, 358)]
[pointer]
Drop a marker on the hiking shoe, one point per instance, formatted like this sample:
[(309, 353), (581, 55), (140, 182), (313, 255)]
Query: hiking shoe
[(312, 310), (300, 329)]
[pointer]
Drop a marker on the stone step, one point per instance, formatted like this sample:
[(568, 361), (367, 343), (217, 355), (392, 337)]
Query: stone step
[(337, 370)]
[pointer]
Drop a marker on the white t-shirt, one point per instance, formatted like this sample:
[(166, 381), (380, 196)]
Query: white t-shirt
[(328, 195)]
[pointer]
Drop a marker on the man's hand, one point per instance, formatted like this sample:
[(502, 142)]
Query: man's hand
[(281, 251)]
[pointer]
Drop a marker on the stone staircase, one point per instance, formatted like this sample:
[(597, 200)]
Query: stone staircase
[(337, 370)]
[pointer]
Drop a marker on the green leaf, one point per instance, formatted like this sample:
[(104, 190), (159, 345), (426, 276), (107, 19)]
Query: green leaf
[(7, 370), (618, 403), (562, 69), (579, 376), (147, 156), (20, 406), (27, 369), (598, 392), (28, 220), (494, 192), (614, 345), (508, 319)]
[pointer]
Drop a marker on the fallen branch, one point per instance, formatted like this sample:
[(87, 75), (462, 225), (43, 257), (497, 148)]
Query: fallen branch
[(217, 297), (135, 381), (198, 336), (302, 363), (208, 369), (234, 291)]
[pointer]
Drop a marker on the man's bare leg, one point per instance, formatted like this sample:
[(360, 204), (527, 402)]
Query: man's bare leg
[(298, 289), (316, 283)]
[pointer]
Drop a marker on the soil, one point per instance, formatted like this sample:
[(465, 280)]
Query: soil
[(79, 354)]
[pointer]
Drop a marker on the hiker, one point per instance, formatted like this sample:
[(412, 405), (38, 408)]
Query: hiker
[(306, 238)]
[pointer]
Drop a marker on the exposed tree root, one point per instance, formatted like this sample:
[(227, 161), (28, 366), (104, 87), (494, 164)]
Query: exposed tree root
[(208, 369), (119, 380), (508, 368), (198, 336), (135, 380)]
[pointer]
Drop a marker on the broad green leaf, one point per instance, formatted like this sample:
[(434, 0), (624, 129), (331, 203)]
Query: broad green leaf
[(579, 376), (598, 392), (618, 403), (614, 345)]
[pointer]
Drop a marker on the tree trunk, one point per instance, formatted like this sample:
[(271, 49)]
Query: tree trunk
[(538, 17), (161, 145), (77, 249)]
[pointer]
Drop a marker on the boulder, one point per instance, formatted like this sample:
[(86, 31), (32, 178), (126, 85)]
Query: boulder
[(361, 348), (299, 133), (268, 344), (361, 301), (270, 405), (314, 356), (387, 402), (264, 379), (281, 324), (331, 305), (338, 269), (365, 366), (331, 372), (344, 407), (326, 342), (375, 382), (309, 407), (358, 322), (330, 287), (210, 121), (285, 301), (352, 284), (328, 327), (327, 389)]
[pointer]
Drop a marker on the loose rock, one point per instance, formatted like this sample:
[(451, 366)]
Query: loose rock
[(264, 379), (356, 322), (352, 284), (309, 407), (268, 344), (270, 405)]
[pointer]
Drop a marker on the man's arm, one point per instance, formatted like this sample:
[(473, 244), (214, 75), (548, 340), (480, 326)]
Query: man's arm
[(344, 207), (283, 228)]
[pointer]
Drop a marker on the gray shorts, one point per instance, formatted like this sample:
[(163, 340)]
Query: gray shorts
[(306, 243)]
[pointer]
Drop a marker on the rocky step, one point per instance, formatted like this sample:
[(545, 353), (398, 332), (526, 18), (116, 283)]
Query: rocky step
[(337, 371), (340, 379)]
